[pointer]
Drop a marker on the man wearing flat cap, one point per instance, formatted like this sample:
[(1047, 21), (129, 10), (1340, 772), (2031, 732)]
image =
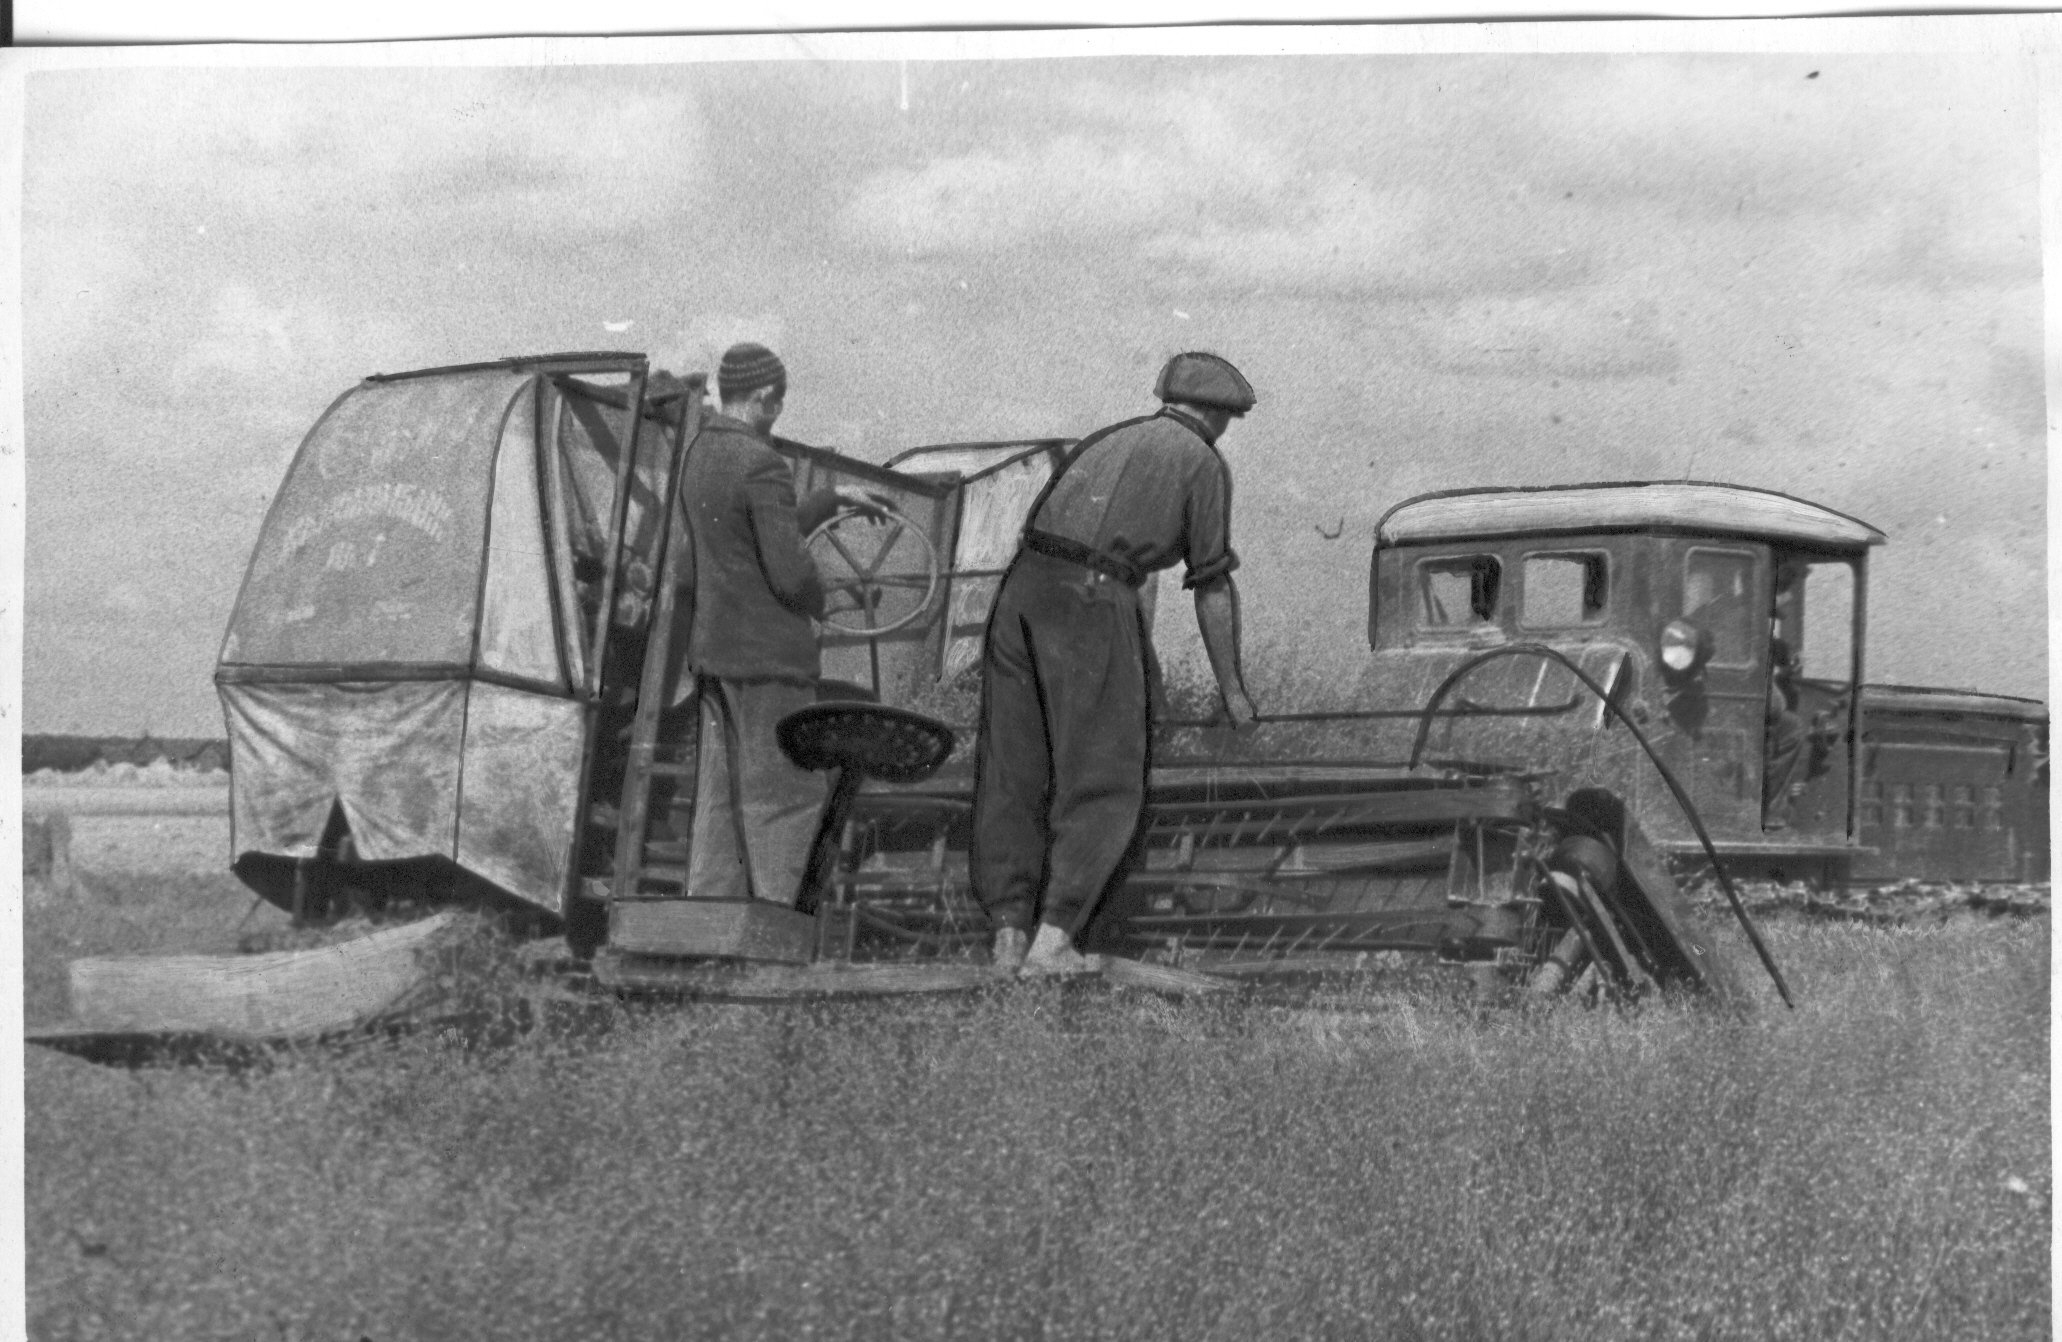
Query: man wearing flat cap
[(752, 643), (1066, 708)]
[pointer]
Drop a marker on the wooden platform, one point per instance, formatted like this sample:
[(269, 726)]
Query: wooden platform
[(748, 930), (282, 995), (1162, 978), (626, 971), (226, 1007)]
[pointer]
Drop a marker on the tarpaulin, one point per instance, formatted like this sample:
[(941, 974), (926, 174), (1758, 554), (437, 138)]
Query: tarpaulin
[(481, 774), (520, 791), (371, 553), (517, 629), (389, 752), (405, 575)]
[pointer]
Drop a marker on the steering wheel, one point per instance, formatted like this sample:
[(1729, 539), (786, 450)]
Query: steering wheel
[(866, 580)]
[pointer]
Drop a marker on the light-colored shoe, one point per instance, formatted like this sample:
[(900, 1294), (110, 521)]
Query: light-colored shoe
[(1053, 954), (1007, 954)]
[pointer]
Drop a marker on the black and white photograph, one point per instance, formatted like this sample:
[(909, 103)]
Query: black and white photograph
[(1361, 681)]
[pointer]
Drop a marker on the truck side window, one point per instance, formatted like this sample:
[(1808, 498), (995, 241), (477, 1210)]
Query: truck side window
[(1719, 598), (1562, 589), (1459, 592)]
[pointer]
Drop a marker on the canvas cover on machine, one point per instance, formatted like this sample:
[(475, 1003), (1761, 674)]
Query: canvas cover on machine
[(417, 626), (371, 552)]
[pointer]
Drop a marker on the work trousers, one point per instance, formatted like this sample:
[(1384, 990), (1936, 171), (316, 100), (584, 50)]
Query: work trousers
[(755, 813), (1060, 779)]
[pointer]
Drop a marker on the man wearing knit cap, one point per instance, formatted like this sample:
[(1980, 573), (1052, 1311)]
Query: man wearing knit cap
[(752, 645), (1066, 710)]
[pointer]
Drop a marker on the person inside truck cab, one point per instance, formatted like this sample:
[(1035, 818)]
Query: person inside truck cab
[(1719, 606), (1784, 736)]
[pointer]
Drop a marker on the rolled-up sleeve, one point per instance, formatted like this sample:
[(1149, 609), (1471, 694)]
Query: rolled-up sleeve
[(1207, 526), (792, 577)]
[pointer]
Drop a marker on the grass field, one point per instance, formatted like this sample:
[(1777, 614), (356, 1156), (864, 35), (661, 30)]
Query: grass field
[(1039, 1163)]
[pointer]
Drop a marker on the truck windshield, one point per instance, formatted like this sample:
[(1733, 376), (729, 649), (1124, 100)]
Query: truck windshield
[(1458, 592), (1562, 589)]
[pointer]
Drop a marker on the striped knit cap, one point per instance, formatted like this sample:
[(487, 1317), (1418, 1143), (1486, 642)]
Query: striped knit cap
[(748, 367)]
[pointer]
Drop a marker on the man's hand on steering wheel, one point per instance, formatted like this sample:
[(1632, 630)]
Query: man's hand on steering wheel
[(867, 570), (867, 504)]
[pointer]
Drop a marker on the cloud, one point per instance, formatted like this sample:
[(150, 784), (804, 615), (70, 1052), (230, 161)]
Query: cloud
[(1439, 177), (523, 148), (391, 197), (1069, 186), (1344, 236), (244, 337), (255, 375), (1164, 199), (251, 345), (1123, 162), (1921, 171), (1584, 334)]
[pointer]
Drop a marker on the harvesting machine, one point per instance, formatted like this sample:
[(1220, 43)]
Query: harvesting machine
[(453, 677)]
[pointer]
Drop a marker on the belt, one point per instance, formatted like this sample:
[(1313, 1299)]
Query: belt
[(1074, 552)]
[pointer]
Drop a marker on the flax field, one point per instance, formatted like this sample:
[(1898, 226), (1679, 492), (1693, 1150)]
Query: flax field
[(1411, 1162)]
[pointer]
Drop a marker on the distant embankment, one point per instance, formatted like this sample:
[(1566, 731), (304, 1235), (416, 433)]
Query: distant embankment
[(67, 754)]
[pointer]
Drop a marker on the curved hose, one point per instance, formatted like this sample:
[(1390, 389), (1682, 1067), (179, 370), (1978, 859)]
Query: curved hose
[(1682, 798)]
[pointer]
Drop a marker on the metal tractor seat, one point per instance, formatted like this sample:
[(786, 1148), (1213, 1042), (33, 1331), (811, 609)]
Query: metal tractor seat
[(860, 741), (894, 745)]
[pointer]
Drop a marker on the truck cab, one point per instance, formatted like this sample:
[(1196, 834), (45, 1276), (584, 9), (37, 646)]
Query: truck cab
[(1729, 625)]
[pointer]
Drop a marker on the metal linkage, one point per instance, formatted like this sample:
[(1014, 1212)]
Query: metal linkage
[(1675, 788)]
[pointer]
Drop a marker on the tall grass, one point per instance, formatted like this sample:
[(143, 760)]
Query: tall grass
[(1037, 1162)]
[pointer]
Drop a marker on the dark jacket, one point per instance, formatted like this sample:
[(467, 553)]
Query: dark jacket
[(755, 590)]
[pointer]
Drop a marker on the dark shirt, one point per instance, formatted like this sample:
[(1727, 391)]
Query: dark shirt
[(1150, 492), (755, 590)]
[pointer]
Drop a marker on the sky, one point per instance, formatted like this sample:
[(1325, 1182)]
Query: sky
[(1818, 274)]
